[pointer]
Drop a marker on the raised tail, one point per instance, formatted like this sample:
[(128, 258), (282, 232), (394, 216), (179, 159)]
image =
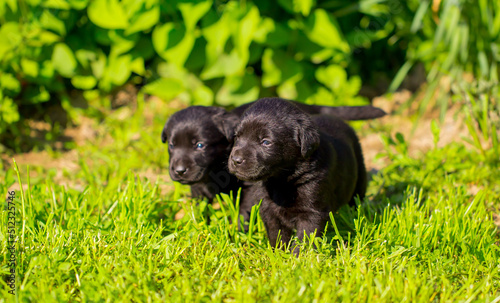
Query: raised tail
[(343, 112), (352, 112)]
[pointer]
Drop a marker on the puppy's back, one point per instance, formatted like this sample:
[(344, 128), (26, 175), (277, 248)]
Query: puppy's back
[(339, 130)]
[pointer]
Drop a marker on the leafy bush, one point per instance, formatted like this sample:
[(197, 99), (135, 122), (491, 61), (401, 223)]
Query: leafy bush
[(203, 52), (231, 52)]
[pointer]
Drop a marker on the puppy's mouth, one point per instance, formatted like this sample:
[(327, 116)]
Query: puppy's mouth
[(187, 178), (183, 181), (247, 175)]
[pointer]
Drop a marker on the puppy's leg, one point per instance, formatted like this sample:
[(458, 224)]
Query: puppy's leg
[(308, 226), (248, 198), (244, 216), (276, 230)]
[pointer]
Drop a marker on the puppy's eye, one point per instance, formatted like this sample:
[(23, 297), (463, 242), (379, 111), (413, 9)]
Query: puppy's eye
[(266, 142), (200, 145), (170, 145)]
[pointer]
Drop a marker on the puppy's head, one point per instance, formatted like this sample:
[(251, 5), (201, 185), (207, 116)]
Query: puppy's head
[(273, 136), (198, 140)]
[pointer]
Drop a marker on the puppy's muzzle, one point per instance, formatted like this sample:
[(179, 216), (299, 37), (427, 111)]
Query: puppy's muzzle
[(237, 160), (180, 170)]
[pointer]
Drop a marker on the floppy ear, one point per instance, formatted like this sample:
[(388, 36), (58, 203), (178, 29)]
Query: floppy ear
[(226, 123), (164, 135), (166, 129), (307, 137)]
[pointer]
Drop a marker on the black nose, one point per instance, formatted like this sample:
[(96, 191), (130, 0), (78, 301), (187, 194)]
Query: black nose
[(180, 170), (237, 160)]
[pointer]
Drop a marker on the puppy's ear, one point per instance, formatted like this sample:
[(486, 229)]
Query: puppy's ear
[(164, 135), (226, 123), (307, 137)]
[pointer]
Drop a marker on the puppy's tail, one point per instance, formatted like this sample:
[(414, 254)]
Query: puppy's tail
[(352, 112)]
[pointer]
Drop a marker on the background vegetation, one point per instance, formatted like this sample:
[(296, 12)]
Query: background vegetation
[(231, 52), (108, 224)]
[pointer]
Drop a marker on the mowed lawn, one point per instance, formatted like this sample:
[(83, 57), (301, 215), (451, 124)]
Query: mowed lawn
[(110, 230)]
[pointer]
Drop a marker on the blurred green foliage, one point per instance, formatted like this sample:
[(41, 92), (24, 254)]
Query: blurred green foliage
[(231, 52), (452, 37), (456, 39)]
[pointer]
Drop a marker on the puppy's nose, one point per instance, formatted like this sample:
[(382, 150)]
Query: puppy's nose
[(237, 160), (180, 170)]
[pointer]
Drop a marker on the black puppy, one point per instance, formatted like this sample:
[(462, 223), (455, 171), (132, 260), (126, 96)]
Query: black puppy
[(308, 166), (199, 142)]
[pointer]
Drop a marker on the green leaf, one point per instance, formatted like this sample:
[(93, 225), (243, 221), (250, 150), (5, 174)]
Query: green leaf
[(193, 12), (322, 96), (85, 56), (287, 90), (202, 95), (238, 90), (49, 21), (217, 35), (29, 67), (271, 33), (11, 37), (84, 82), (225, 65), (400, 138), (171, 70), (278, 68), (8, 110), (47, 70), (137, 66), (56, 4), (63, 60), (78, 4), (323, 29), (12, 4), (10, 83), (144, 20), (164, 88), (298, 6), (48, 38), (107, 14), (305, 48), (246, 29), (173, 43), (98, 64), (120, 43), (333, 76), (118, 69)]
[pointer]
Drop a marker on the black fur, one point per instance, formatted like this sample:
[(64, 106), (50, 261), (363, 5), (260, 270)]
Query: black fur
[(306, 166), (205, 168)]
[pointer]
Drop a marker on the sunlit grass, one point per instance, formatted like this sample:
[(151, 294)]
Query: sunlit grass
[(422, 235)]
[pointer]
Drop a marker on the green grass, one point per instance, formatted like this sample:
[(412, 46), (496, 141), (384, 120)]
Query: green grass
[(425, 233)]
